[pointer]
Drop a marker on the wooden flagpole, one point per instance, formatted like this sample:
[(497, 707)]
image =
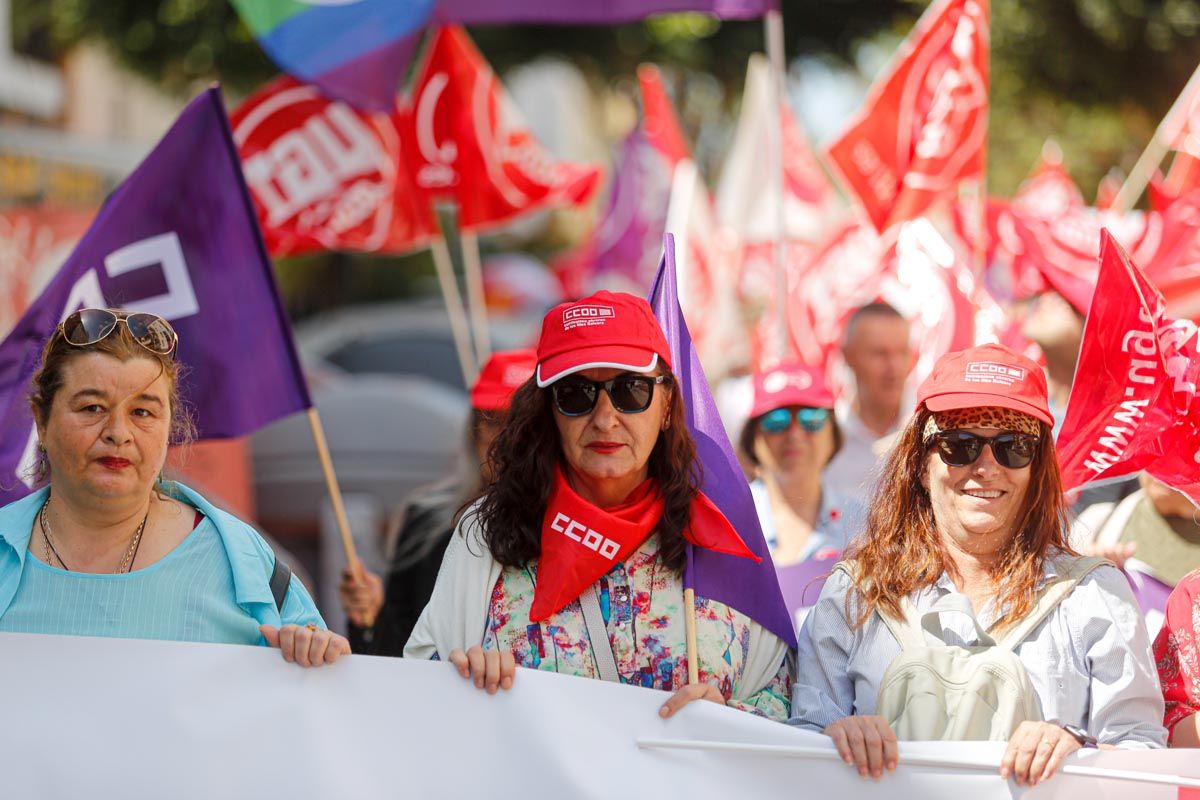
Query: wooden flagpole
[(1150, 158), (476, 299), (454, 304), (331, 485), (689, 632)]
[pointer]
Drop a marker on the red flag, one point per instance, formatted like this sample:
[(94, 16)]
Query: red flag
[(919, 273), (1133, 402), (924, 126), (465, 141), (325, 176), (659, 120)]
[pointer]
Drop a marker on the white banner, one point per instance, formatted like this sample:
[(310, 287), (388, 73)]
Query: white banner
[(100, 718)]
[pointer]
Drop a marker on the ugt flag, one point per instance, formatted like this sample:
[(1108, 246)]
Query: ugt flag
[(177, 238), (748, 586), (1133, 401), (325, 176), (924, 125)]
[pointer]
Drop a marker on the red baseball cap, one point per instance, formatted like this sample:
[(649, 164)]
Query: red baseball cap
[(790, 383), (987, 375), (500, 377), (610, 330)]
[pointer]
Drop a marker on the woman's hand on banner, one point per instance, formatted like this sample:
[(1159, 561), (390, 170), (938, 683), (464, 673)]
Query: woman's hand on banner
[(489, 669), (308, 645), (693, 691), (867, 743), (1034, 751)]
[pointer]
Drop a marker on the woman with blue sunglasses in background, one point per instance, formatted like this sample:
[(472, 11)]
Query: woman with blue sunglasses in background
[(790, 438), (572, 561)]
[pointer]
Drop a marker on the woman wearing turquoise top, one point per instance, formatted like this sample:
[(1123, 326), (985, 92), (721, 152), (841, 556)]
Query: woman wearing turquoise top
[(108, 548)]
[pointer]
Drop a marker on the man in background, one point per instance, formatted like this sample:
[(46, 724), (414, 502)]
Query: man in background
[(877, 350)]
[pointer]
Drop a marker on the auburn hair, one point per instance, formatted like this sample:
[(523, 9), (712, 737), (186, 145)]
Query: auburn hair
[(525, 455), (901, 550)]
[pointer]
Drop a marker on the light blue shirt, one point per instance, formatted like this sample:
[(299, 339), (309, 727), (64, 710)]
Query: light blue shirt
[(840, 518), (213, 587), (1089, 660)]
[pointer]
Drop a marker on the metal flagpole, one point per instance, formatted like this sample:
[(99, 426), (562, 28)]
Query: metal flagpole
[(773, 24)]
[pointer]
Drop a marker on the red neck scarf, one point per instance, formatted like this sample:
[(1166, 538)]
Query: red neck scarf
[(581, 541)]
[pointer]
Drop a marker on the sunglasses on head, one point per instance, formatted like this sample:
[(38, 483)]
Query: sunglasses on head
[(90, 325), (779, 420), (960, 449), (630, 394)]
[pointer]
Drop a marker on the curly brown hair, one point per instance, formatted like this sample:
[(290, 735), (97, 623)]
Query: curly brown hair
[(524, 457), (902, 552)]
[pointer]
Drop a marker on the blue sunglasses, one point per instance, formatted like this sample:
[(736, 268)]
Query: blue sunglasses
[(779, 420)]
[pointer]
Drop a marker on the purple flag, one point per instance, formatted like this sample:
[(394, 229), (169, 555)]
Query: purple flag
[(1151, 593), (801, 582), (609, 12), (751, 588), (177, 238), (635, 216)]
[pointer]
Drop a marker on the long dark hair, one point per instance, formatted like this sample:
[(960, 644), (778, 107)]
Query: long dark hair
[(523, 459), (902, 552)]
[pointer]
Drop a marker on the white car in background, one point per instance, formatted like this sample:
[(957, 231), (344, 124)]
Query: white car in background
[(386, 382)]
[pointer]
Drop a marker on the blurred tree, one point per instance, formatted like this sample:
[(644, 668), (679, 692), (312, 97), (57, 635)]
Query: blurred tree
[(1097, 75)]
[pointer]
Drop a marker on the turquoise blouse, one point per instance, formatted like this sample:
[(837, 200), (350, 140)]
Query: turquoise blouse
[(213, 587)]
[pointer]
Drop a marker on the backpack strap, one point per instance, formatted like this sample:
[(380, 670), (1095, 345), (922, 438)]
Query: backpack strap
[(1049, 598), (907, 630), (281, 578)]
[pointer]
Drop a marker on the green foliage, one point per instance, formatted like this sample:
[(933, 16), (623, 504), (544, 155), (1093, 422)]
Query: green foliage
[(175, 43), (1096, 75)]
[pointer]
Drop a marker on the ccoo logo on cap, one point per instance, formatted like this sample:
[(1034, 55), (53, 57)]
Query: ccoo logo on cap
[(608, 330), (986, 375)]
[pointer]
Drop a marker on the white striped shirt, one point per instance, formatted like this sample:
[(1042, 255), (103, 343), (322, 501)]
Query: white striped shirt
[(1089, 660)]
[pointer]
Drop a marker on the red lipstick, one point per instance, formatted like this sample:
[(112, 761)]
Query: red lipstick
[(605, 448), (114, 463)]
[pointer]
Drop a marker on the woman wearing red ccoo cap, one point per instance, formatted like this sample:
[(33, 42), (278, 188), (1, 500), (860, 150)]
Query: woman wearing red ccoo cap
[(572, 561), (962, 613)]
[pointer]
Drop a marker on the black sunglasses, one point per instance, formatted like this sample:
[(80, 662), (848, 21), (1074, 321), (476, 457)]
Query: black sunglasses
[(960, 449), (90, 325), (630, 394)]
